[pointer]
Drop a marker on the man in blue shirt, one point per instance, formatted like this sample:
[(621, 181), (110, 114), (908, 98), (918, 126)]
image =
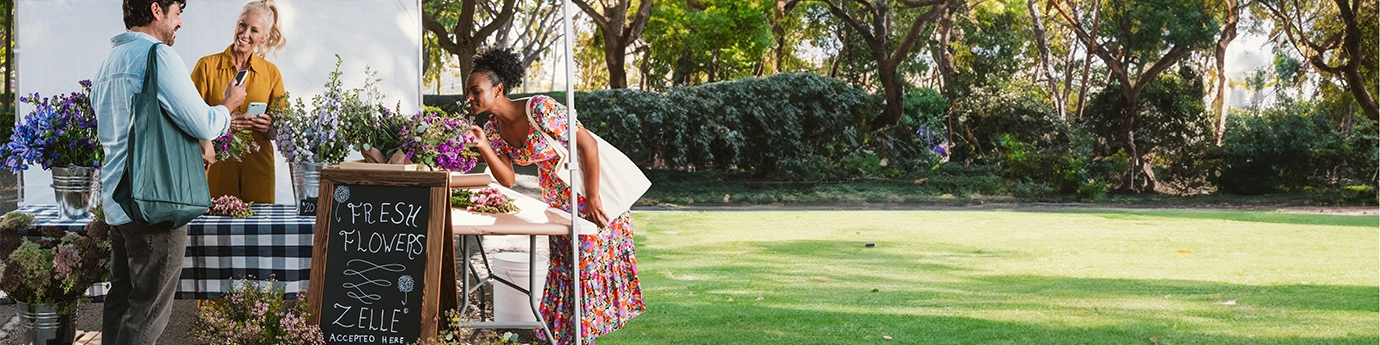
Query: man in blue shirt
[(146, 260)]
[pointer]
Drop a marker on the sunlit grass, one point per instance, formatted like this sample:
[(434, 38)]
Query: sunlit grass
[(1003, 277)]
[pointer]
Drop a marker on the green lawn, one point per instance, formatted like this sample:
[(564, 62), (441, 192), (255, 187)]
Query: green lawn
[(1005, 277)]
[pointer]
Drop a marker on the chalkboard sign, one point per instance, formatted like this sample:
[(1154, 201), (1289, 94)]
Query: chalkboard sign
[(378, 255)]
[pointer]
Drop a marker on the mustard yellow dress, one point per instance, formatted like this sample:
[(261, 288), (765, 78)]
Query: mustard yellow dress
[(252, 178)]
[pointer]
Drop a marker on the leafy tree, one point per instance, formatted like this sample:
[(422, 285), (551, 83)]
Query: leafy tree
[(1339, 38), (706, 41), (872, 21), (1137, 41), (454, 24), (618, 32)]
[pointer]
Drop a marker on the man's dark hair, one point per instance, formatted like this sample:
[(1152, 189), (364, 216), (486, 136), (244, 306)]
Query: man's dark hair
[(502, 66), (137, 12)]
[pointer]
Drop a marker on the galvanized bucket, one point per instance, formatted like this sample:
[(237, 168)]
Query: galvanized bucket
[(41, 324), (72, 188), (306, 181)]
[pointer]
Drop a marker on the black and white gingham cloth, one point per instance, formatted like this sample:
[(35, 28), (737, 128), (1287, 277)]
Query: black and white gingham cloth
[(276, 243)]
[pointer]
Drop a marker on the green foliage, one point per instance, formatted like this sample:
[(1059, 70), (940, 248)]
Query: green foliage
[(726, 40), (1039, 173), (1293, 148), (1171, 129), (786, 126), (1145, 29), (6, 124), (984, 117), (996, 44)]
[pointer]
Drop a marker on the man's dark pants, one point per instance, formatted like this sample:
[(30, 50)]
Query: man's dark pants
[(146, 262)]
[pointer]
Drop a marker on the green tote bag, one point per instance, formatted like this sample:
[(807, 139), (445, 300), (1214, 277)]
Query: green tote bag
[(164, 179)]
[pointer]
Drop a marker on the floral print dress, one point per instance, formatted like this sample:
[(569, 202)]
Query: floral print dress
[(608, 268)]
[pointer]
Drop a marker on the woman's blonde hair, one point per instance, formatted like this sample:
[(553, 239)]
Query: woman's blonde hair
[(275, 41)]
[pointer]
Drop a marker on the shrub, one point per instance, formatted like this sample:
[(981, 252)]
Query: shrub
[(1293, 147), (988, 115)]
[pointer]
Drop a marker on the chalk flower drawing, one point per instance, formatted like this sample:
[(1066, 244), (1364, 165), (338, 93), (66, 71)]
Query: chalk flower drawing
[(405, 285)]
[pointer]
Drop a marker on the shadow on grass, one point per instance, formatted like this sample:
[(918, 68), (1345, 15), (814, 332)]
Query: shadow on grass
[(770, 325), (837, 292), (1240, 216)]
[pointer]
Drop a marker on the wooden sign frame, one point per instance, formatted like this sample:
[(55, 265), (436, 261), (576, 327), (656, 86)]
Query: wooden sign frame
[(438, 232)]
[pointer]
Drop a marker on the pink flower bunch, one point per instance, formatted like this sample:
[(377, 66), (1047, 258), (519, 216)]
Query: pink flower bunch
[(254, 312), (487, 200), (56, 266), (229, 205)]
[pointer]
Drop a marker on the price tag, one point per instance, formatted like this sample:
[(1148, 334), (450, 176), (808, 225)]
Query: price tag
[(306, 207)]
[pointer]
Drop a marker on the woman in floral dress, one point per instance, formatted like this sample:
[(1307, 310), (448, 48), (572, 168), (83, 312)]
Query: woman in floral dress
[(608, 268)]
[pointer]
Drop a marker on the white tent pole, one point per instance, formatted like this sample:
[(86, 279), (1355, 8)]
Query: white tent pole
[(572, 164)]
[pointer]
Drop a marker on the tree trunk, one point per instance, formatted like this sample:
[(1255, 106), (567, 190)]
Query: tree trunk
[(946, 67), (1087, 61), (614, 59), (465, 58), (1128, 137), (1352, 70), (1046, 66), (891, 87), (1228, 34), (8, 103)]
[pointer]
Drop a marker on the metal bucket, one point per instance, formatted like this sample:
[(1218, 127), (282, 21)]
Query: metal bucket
[(306, 180), (72, 189), (41, 324)]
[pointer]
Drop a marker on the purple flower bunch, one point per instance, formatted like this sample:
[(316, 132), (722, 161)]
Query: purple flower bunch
[(50, 265), (440, 141), (230, 206), (61, 131), (487, 200), (319, 134), (254, 312), (234, 145)]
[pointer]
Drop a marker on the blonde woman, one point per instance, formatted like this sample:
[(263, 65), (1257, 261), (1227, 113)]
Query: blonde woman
[(256, 33)]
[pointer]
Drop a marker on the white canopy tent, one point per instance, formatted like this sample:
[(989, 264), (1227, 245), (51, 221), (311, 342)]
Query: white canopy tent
[(59, 42)]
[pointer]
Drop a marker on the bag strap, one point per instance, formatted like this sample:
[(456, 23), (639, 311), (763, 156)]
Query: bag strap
[(551, 141), (151, 72), (561, 152)]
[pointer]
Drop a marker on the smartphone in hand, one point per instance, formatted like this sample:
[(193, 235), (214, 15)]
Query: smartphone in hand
[(239, 77), (256, 108)]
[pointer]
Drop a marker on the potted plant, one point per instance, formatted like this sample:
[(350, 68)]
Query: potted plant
[(47, 272), (60, 135)]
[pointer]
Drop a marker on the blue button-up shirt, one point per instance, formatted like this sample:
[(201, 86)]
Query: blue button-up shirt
[(119, 78)]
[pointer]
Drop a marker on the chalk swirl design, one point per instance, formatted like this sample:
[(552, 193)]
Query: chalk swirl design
[(358, 294)]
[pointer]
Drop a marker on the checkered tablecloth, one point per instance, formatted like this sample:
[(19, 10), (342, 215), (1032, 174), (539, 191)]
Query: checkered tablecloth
[(276, 242)]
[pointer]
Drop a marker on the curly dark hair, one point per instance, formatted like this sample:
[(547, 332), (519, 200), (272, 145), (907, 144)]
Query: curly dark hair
[(502, 66), (137, 12)]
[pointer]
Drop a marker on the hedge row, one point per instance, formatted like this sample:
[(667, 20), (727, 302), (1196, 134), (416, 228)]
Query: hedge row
[(798, 127)]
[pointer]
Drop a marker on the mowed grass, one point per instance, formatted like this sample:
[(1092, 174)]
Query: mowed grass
[(1005, 277)]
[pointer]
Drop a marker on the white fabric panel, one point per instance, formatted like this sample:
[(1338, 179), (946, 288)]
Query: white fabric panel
[(59, 42)]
